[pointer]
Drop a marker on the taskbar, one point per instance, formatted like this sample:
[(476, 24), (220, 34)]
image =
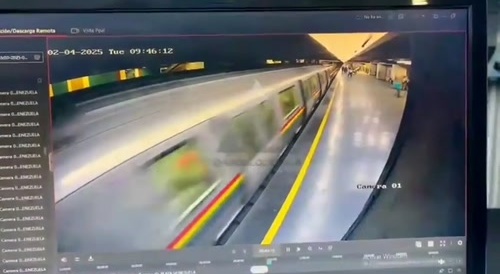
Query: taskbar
[(426, 255), (420, 270), (460, 270)]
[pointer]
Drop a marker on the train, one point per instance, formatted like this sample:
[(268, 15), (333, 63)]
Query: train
[(163, 169)]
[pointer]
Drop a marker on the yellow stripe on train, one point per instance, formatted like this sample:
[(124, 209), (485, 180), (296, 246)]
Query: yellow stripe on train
[(78, 83), (205, 216)]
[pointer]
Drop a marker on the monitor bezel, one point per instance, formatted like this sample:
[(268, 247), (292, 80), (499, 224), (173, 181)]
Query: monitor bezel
[(479, 7), (476, 70)]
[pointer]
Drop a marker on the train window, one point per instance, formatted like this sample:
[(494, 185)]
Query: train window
[(314, 84), (183, 175), (288, 101), (241, 140), (267, 115)]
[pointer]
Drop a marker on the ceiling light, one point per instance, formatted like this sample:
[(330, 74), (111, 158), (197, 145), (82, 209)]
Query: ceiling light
[(419, 3), (404, 62)]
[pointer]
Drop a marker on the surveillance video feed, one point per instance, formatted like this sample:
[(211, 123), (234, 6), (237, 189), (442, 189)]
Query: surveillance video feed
[(165, 143), (217, 146)]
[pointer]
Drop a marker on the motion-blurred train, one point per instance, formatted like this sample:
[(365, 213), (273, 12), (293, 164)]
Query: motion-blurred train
[(167, 155)]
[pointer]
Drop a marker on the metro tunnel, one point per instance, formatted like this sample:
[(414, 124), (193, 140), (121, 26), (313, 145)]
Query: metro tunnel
[(253, 140)]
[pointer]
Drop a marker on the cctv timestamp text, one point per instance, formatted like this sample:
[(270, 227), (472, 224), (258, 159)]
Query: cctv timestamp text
[(110, 52)]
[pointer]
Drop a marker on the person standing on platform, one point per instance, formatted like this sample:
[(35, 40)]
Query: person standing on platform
[(406, 81), (398, 86)]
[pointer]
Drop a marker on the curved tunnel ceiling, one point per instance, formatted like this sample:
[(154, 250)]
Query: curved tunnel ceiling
[(389, 48), (346, 45)]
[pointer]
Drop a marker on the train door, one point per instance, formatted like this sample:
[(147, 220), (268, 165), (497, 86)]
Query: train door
[(251, 143), (306, 93), (292, 111), (275, 102), (239, 145), (238, 139), (315, 87), (323, 83), (268, 130)]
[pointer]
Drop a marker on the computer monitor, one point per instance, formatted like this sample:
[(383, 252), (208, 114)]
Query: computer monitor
[(318, 141)]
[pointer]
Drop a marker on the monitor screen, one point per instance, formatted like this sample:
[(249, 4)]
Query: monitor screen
[(233, 142)]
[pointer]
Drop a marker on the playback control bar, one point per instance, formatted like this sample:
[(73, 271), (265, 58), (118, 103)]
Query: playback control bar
[(434, 255)]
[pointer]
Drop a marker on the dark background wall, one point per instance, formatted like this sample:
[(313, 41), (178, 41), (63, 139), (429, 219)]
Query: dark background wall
[(493, 236)]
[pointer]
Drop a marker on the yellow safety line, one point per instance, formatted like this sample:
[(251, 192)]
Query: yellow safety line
[(292, 195)]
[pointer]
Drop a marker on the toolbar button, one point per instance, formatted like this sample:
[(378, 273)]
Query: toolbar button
[(259, 269)]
